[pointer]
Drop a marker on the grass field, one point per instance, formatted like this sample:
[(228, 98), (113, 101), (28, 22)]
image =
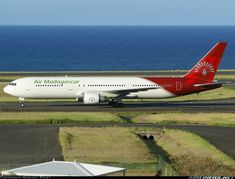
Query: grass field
[(192, 155), (210, 119), (56, 117), (225, 77), (108, 146), (189, 154)]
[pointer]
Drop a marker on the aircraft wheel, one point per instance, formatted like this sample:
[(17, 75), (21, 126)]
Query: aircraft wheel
[(117, 104), (110, 103)]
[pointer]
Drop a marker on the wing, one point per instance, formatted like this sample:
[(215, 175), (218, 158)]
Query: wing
[(123, 92)]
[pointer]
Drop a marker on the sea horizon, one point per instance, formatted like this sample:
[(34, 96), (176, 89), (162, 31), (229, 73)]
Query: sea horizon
[(111, 48)]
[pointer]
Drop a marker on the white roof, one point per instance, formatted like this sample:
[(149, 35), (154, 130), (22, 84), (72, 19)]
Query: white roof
[(61, 168)]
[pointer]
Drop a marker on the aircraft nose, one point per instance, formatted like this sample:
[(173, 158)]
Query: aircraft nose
[(7, 89)]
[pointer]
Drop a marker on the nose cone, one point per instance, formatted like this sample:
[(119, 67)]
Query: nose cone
[(8, 90)]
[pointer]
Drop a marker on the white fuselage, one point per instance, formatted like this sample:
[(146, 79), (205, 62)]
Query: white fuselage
[(75, 87)]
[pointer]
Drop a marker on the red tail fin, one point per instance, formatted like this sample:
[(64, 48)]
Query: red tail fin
[(206, 68)]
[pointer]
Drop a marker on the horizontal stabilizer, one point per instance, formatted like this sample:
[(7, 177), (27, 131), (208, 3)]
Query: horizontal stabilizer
[(212, 84)]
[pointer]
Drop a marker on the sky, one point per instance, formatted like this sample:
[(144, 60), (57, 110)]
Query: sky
[(117, 12)]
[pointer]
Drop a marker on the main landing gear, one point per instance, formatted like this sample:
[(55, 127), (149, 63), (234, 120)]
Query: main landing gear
[(116, 103), (21, 100)]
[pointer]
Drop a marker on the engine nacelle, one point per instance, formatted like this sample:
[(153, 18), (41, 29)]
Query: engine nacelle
[(91, 98)]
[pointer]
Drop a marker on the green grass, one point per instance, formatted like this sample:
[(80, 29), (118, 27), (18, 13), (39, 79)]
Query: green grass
[(225, 77), (56, 117), (211, 119), (184, 146), (10, 78), (115, 146), (112, 146)]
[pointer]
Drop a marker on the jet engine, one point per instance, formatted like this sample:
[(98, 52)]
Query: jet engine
[(93, 98)]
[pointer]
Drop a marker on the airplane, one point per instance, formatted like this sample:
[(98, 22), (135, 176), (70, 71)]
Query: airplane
[(93, 90)]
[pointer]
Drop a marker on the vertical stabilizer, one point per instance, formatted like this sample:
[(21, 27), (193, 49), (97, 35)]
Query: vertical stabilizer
[(206, 68)]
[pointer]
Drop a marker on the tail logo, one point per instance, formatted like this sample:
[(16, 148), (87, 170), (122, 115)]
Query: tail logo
[(206, 66)]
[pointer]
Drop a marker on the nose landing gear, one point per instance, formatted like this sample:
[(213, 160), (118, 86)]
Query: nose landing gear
[(22, 104), (21, 100)]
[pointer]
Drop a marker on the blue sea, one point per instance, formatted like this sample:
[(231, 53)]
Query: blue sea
[(110, 48)]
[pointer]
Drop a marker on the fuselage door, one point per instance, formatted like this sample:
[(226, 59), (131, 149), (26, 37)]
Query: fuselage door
[(27, 87), (178, 85)]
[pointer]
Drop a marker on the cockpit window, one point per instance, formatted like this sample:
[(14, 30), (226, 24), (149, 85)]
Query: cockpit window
[(12, 84)]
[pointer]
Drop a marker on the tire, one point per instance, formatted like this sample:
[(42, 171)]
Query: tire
[(117, 105)]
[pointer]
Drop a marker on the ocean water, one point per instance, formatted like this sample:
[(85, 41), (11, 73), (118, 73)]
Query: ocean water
[(110, 48)]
